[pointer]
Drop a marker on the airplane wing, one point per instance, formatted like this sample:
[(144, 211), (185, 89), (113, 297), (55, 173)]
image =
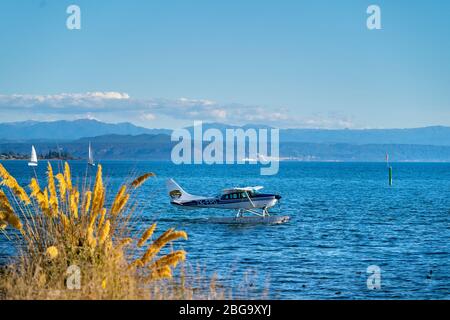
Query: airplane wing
[(244, 189)]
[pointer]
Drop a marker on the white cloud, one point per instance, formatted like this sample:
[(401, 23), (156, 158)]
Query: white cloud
[(108, 95), (219, 113), (332, 120), (89, 116), (117, 106), (148, 116)]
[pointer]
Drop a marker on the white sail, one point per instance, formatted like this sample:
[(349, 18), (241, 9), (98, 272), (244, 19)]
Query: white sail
[(90, 156), (33, 159)]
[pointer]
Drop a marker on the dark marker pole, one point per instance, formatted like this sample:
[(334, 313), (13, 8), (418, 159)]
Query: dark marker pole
[(390, 176), (390, 169)]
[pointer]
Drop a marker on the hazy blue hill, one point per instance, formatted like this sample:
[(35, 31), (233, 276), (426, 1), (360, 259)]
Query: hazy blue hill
[(68, 130), (436, 135), (129, 139), (138, 147)]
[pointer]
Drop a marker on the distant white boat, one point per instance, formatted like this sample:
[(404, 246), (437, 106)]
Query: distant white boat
[(33, 159), (90, 156), (261, 158)]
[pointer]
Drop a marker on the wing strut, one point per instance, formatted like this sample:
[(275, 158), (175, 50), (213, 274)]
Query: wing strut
[(250, 199)]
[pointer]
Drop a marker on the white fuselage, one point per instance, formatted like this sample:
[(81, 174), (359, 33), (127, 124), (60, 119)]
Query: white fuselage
[(266, 201)]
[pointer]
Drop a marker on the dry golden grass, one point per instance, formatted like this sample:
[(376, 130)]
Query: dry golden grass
[(60, 231)]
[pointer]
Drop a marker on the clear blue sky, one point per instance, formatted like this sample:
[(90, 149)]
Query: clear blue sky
[(288, 63)]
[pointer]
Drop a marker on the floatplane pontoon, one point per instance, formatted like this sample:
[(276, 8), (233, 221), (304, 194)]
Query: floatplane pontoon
[(243, 200)]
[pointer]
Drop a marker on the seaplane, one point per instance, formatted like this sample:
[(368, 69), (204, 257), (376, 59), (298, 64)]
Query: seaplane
[(241, 199)]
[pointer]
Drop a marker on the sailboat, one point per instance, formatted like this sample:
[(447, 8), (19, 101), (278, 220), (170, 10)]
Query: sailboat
[(33, 160), (90, 156)]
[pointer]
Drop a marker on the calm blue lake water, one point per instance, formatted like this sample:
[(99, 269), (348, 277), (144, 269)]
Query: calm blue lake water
[(345, 218)]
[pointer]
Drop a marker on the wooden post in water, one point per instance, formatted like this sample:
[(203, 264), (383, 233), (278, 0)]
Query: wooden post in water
[(390, 169), (390, 176)]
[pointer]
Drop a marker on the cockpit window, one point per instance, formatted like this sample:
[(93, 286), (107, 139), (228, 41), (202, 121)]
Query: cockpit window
[(236, 195)]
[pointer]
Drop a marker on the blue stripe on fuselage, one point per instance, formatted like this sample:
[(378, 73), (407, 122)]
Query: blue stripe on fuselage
[(218, 201)]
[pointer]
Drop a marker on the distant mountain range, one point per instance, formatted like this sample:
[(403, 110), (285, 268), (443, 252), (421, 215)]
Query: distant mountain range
[(68, 130), (73, 130), (435, 135), (127, 141)]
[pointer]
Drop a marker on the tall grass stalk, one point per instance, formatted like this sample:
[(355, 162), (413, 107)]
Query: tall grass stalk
[(71, 244)]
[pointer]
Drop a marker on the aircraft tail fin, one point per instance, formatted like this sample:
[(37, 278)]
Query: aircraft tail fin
[(176, 193)]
